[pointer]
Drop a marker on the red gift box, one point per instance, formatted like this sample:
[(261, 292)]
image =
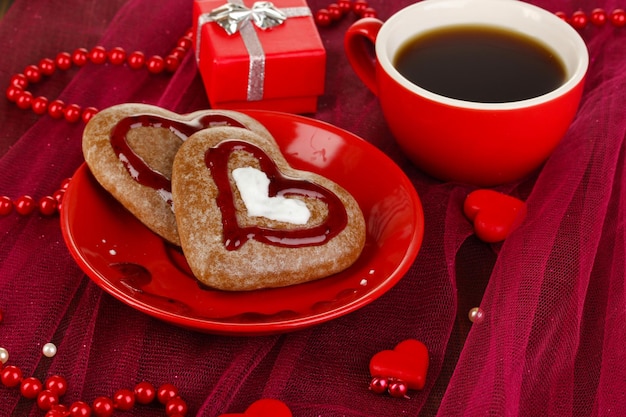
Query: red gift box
[(279, 68)]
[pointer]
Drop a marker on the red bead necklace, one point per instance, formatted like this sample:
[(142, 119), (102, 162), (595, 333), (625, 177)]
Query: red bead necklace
[(18, 93), (336, 11), (48, 393), (598, 17)]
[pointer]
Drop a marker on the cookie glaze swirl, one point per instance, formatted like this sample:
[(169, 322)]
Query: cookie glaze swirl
[(137, 168), (216, 159)]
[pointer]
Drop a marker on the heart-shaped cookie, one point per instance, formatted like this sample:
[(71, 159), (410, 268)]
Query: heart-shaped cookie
[(266, 407), (494, 214), (407, 363), (130, 150), (234, 244)]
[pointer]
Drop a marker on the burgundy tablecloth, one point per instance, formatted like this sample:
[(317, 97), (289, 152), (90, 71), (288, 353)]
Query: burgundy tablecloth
[(552, 342)]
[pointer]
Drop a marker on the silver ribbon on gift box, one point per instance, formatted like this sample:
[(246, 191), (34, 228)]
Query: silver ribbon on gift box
[(234, 17)]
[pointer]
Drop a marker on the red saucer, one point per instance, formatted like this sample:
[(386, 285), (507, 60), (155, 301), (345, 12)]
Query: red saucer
[(137, 267)]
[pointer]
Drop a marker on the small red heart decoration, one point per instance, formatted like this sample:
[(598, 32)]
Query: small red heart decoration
[(266, 407), (407, 362), (494, 214)]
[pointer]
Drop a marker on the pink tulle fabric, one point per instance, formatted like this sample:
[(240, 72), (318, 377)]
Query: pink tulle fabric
[(553, 338)]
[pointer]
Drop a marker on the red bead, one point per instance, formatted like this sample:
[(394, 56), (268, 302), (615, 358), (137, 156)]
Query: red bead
[(369, 12), (88, 113), (13, 93), (32, 73), (171, 63), (55, 109), (179, 52), (72, 113), (322, 17), (80, 409), (102, 407), (562, 16), (185, 42), (598, 17), (39, 105), (166, 392), (65, 184), (24, 205), (145, 393), (19, 80), (359, 6), (123, 399), (117, 56), (58, 196), (47, 205), (47, 66), (579, 20), (136, 59), (11, 376), (155, 64), (63, 60), (30, 388), (335, 12), (176, 406), (345, 5), (378, 385), (80, 57), (24, 100), (397, 389), (46, 399), (56, 383), (6, 205), (618, 18), (98, 55)]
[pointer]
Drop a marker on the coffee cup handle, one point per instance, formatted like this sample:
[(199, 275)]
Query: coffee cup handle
[(358, 42)]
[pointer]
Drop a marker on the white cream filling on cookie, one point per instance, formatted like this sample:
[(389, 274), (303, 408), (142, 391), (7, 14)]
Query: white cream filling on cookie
[(253, 186)]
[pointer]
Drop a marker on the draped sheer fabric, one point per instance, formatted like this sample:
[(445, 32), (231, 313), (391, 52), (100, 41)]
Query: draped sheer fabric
[(552, 341)]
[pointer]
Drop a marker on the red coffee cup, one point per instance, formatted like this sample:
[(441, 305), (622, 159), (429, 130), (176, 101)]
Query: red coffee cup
[(481, 143)]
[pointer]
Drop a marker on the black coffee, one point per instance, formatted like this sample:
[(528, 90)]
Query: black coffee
[(480, 64)]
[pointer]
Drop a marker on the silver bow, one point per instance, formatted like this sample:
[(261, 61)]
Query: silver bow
[(232, 17)]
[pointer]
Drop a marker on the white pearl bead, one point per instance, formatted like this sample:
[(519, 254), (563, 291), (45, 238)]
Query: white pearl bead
[(476, 315), (4, 355), (49, 350)]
